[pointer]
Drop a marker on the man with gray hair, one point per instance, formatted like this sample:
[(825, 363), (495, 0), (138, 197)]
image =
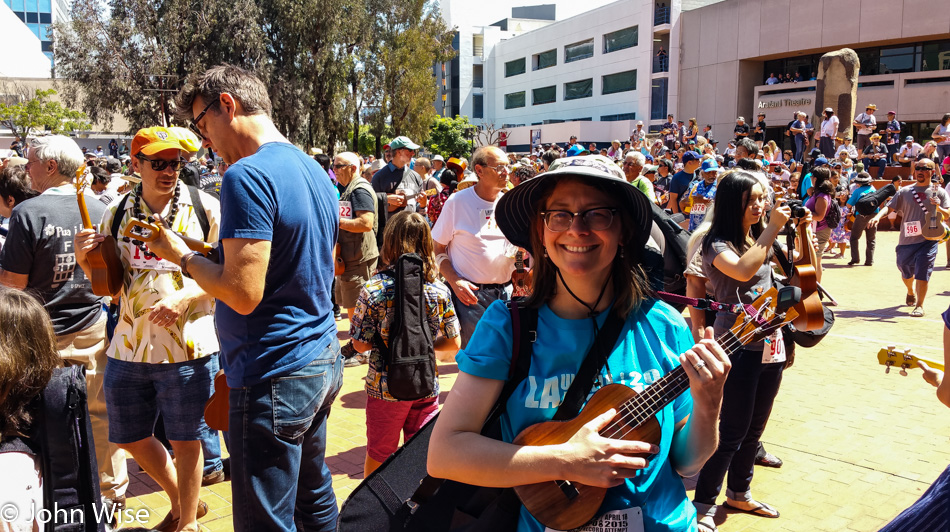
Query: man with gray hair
[(632, 165), (39, 257)]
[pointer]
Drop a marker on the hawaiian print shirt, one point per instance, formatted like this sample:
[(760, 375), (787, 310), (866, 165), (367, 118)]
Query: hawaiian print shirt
[(147, 281), (374, 313)]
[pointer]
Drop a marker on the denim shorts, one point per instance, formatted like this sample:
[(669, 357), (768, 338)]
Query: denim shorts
[(917, 260), (136, 392)]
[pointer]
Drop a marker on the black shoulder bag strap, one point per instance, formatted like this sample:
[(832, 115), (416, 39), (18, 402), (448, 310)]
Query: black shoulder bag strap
[(595, 360), (524, 328), (200, 212), (787, 268), (119, 215)]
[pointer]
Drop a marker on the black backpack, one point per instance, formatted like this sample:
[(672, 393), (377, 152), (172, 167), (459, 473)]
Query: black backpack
[(61, 438), (665, 272), (833, 216), (410, 355)]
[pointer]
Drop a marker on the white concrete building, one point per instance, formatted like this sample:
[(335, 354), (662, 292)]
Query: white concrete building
[(28, 61)]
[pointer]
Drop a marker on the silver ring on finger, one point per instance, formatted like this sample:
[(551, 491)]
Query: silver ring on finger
[(699, 365)]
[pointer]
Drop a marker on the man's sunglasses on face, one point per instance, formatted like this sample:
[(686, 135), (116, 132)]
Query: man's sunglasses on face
[(193, 126), (158, 164)]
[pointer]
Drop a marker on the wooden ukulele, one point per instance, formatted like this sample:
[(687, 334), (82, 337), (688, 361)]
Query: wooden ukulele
[(934, 229), (217, 407), (565, 505), (811, 313), (146, 232), (106, 269), (338, 265), (521, 277), (889, 357)]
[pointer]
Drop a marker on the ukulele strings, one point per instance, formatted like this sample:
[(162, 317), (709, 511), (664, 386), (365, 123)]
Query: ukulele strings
[(655, 397)]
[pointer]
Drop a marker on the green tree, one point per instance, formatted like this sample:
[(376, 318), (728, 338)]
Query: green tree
[(41, 113), (448, 137), (366, 143), (130, 56)]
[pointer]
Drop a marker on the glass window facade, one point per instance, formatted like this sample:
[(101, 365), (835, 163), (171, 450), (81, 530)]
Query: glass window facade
[(544, 95), (578, 51), (478, 106), (579, 89), (620, 82), (621, 39), (513, 68), (37, 15), (874, 61), (514, 100)]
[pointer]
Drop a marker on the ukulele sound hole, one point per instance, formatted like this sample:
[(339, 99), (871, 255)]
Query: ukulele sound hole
[(568, 489)]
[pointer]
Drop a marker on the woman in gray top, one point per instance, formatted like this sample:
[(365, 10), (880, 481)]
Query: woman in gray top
[(736, 259)]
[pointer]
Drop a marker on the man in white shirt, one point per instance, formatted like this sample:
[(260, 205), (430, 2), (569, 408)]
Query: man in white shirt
[(865, 122), (908, 153), (637, 135), (772, 79), (829, 129), (471, 252)]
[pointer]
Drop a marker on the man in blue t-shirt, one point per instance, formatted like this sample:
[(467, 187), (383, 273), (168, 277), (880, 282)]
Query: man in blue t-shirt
[(280, 353), (681, 180), (863, 181)]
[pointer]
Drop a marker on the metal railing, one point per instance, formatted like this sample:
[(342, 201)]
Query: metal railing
[(661, 64), (661, 15)]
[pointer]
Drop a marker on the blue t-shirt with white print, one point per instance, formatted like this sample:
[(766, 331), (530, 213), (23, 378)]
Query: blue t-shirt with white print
[(649, 346)]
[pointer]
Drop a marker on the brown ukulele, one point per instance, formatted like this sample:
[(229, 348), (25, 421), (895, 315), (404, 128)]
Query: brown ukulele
[(934, 229), (216, 409), (521, 277), (338, 266), (565, 505), (811, 313), (146, 232), (106, 270)]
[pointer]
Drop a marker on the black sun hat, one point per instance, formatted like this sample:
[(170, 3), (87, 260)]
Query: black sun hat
[(517, 206)]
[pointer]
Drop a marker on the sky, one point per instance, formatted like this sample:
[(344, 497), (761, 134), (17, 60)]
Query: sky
[(491, 11)]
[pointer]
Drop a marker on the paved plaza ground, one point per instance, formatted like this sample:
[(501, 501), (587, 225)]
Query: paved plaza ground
[(858, 445)]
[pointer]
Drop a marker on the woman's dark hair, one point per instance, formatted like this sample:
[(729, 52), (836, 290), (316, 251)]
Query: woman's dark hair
[(630, 281), (732, 199), (100, 176), (15, 183), (28, 356), (550, 156), (945, 119), (449, 179), (821, 180), (323, 160), (525, 172)]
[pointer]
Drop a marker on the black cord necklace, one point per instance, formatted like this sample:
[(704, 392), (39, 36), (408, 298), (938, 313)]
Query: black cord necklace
[(139, 215)]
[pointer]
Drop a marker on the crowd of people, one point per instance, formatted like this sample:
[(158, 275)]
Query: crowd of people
[(301, 238)]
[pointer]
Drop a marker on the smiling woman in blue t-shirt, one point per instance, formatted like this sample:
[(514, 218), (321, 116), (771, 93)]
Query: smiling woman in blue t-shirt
[(587, 229)]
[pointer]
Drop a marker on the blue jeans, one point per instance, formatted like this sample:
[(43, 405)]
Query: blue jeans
[(469, 315), (880, 164), (747, 400), (210, 442), (277, 438)]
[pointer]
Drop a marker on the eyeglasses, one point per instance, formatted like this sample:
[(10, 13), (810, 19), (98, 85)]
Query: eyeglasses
[(923, 167), (338, 166), (500, 168), (193, 126), (158, 164), (597, 219)]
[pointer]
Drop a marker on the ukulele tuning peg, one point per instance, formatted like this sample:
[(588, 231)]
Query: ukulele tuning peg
[(904, 370), (887, 367)]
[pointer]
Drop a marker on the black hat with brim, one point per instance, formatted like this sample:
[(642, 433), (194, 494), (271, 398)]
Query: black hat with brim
[(517, 206)]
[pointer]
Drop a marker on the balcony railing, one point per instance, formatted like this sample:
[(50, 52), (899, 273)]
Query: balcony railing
[(661, 15), (478, 50), (661, 64)]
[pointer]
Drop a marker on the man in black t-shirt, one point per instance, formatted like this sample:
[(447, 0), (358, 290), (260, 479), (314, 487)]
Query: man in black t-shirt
[(759, 134), (39, 257), (741, 130)]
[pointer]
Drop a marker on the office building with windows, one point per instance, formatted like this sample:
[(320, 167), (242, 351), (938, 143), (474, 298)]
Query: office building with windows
[(730, 50), (38, 15), (28, 61)]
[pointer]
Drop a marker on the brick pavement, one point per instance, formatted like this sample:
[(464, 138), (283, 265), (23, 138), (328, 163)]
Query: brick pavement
[(858, 445)]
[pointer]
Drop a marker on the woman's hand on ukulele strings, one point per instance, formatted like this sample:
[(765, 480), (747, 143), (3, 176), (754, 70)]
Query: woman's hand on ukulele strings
[(595, 460), (707, 366)]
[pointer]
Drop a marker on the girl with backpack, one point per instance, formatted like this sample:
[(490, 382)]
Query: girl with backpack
[(387, 416), (821, 204)]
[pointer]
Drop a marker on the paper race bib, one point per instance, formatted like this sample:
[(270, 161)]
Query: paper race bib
[(629, 520), (698, 208), (141, 262), (346, 210), (774, 351), (912, 228)]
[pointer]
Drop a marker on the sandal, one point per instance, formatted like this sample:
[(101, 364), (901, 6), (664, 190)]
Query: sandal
[(918, 312), (910, 300), (760, 509), (706, 524)]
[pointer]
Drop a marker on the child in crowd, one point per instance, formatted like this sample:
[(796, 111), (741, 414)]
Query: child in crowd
[(386, 416), (841, 235), (449, 181)]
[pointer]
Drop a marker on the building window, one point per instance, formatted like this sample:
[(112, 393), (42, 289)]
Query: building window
[(478, 80), (45, 6), (895, 60), (578, 51), (544, 60), (579, 89), (478, 106), (544, 95), (514, 100), (620, 39), (46, 18), (513, 68), (478, 45), (32, 18), (16, 5), (658, 92), (47, 46), (617, 118), (620, 82), (935, 56)]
